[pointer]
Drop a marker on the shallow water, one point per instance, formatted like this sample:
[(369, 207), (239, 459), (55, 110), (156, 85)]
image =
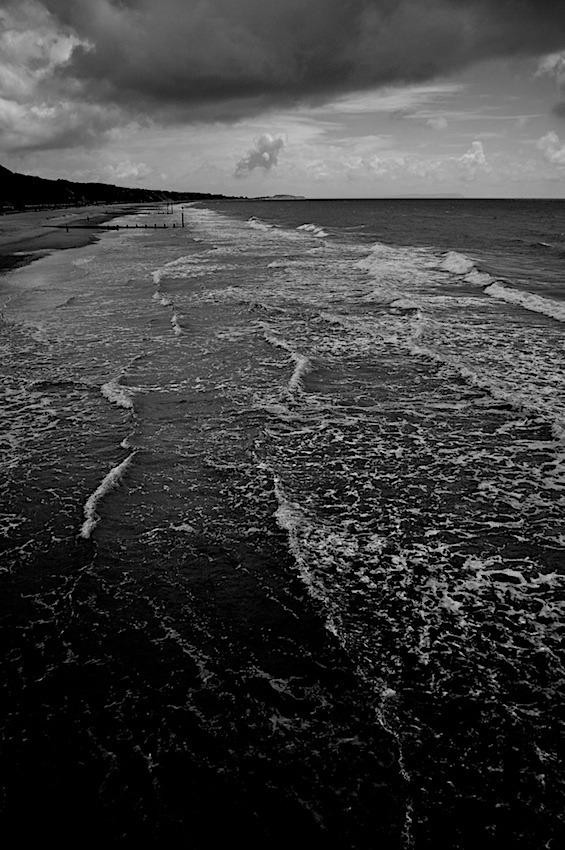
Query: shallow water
[(283, 530)]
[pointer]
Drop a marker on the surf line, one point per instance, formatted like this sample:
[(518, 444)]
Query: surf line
[(112, 480), (163, 299), (302, 364), (301, 369)]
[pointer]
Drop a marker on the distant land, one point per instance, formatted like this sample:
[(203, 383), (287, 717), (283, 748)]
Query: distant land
[(444, 196), (20, 191), (279, 198)]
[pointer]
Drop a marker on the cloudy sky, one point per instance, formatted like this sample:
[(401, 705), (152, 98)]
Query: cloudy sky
[(347, 98)]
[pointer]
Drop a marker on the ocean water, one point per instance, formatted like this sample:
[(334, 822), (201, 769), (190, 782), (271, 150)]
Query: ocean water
[(282, 528)]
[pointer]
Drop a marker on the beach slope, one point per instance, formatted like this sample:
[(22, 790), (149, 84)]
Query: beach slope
[(25, 236)]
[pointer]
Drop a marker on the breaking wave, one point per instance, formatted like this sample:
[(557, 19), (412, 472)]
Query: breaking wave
[(302, 367), (314, 229), (108, 483), (457, 263), (257, 224), (117, 394), (536, 303), (177, 327)]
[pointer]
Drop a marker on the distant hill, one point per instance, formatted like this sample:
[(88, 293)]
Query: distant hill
[(18, 191)]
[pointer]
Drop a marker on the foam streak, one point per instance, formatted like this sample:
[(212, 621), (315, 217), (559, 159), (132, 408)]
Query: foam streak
[(117, 394), (108, 483)]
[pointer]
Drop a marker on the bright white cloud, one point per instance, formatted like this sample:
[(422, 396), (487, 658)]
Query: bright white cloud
[(475, 157), (553, 66), (396, 166), (552, 149), (264, 154), (437, 123)]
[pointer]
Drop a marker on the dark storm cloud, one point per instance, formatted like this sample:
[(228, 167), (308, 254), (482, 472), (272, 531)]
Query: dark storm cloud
[(202, 59), (559, 110)]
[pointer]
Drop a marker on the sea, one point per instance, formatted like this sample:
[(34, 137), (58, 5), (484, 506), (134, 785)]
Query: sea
[(283, 529)]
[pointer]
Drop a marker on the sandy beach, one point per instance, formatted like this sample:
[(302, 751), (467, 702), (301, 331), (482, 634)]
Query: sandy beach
[(26, 235)]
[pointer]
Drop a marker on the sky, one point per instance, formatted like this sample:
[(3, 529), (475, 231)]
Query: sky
[(318, 98)]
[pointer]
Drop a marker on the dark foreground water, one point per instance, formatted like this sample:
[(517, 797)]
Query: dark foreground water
[(283, 530)]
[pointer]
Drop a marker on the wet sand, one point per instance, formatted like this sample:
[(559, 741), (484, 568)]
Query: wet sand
[(25, 236)]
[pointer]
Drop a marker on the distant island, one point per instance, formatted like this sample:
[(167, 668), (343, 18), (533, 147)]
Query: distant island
[(279, 198), (21, 191)]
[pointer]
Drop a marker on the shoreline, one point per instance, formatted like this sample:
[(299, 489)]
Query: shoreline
[(28, 236)]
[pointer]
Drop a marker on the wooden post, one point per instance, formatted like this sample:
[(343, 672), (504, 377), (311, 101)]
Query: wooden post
[(182, 219)]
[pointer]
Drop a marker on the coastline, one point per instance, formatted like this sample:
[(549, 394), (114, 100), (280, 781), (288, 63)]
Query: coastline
[(28, 236)]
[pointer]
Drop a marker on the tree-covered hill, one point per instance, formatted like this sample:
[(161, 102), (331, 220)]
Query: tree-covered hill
[(19, 191)]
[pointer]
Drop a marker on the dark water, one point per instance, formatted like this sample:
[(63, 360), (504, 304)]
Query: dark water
[(282, 526)]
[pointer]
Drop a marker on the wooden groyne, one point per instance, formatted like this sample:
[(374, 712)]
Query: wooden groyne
[(154, 226)]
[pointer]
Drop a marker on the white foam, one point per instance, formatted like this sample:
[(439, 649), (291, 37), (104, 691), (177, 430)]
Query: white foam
[(257, 224), (177, 329), (496, 388), (398, 272), (117, 394), (274, 340), (535, 303), (181, 267), (478, 278), (302, 363), (108, 483), (302, 367), (317, 231), (457, 263)]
